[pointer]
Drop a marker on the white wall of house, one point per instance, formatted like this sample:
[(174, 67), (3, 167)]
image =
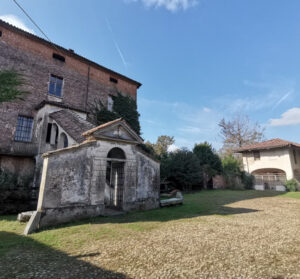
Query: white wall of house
[(280, 158)]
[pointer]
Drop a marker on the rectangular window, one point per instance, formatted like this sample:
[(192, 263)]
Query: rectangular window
[(58, 57), (55, 86), (113, 80), (0, 33), (256, 155), (48, 136), (24, 129)]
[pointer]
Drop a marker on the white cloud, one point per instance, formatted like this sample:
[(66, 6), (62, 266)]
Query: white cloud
[(270, 100), (205, 109), (288, 118), (170, 5), (17, 22), (173, 148)]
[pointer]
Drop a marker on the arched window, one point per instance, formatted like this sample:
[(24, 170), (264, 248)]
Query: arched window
[(54, 134), (63, 141), (116, 153)]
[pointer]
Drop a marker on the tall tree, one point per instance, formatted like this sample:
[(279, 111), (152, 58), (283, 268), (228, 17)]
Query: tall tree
[(10, 81), (162, 144), (209, 160), (238, 132)]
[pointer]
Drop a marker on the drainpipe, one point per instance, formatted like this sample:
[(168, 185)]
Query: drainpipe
[(87, 88)]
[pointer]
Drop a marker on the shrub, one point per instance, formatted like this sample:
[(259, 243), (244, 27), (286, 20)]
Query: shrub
[(7, 180), (232, 173), (124, 107), (291, 185), (247, 180), (182, 169), (10, 81)]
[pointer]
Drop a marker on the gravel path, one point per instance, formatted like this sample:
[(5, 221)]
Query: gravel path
[(264, 243)]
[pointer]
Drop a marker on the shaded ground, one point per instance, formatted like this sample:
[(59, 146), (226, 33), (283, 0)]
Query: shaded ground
[(215, 234)]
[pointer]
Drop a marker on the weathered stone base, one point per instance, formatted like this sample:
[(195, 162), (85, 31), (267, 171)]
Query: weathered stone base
[(147, 204), (55, 216)]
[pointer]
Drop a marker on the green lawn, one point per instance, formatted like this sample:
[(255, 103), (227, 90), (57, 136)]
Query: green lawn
[(135, 245)]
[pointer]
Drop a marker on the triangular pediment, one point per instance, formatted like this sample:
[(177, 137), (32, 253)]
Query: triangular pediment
[(117, 130)]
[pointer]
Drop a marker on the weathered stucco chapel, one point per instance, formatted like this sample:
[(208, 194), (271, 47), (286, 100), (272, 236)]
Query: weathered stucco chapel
[(108, 171)]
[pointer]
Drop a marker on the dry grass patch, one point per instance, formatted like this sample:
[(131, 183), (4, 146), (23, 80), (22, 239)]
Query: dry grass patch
[(215, 234)]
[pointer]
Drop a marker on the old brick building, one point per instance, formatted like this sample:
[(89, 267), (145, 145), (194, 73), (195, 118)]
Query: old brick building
[(62, 85)]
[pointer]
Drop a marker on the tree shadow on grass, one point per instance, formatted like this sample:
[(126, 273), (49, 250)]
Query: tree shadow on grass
[(203, 203), (23, 257)]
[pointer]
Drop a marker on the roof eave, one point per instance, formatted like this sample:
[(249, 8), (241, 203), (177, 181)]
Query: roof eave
[(70, 53)]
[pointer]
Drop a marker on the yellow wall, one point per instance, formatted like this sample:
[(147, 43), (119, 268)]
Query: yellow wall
[(274, 158)]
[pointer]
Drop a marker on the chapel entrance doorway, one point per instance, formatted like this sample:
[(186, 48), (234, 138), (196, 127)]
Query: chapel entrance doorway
[(115, 177)]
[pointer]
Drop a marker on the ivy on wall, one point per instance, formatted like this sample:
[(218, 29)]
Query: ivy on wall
[(123, 107), (9, 86)]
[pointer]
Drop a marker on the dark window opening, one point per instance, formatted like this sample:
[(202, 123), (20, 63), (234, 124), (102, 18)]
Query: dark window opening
[(116, 153), (256, 155), (48, 136), (0, 33), (24, 129), (64, 140), (59, 57), (295, 156), (113, 80), (55, 86), (56, 136)]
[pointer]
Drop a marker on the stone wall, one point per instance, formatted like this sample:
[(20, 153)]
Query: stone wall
[(148, 184), (83, 83), (67, 186), (219, 182), (16, 191)]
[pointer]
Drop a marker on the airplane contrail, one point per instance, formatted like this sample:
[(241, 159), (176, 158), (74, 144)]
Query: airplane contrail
[(116, 43)]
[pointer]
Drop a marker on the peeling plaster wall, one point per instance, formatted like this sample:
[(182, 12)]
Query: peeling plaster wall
[(148, 184), (74, 181), (67, 187)]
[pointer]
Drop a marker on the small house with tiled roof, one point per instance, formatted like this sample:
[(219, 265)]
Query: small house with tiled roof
[(272, 162)]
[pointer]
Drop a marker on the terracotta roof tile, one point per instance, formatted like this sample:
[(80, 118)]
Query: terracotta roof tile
[(73, 124), (273, 143)]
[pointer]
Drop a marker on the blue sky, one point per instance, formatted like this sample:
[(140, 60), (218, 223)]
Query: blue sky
[(198, 60)]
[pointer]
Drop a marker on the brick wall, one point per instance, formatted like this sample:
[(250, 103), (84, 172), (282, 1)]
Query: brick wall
[(34, 61)]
